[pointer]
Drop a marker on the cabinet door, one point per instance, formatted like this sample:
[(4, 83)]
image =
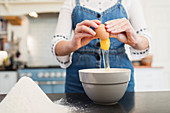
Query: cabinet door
[(7, 81), (149, 79)]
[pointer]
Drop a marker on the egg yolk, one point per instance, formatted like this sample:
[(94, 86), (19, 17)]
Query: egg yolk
[(105, 44)]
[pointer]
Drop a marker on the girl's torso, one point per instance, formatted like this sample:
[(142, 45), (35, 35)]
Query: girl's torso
[(90, 56)]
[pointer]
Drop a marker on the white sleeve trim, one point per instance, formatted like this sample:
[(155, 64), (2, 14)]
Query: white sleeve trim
[(55, 40), (138, 54), (64, 61)]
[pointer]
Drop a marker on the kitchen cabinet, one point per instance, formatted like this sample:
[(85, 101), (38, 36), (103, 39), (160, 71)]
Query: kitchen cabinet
[(7, 81), (150, 79)]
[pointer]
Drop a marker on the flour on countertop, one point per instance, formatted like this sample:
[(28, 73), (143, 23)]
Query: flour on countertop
[(72, 109), (27, 97)]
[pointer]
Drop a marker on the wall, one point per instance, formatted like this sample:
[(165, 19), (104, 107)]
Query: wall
[(41, 31), (157, 17), (35, 36), (156, 14)]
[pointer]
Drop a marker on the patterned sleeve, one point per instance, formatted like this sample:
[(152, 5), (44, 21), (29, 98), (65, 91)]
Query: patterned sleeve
[(137, 20), (63, 32), (63, 61)]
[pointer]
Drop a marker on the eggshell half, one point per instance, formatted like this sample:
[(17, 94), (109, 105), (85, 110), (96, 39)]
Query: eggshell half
[(101, 32)]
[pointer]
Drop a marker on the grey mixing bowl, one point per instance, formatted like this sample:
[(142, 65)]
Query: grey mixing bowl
[(105, 87)]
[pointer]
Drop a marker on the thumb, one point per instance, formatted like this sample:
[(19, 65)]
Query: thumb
[(113, 35)]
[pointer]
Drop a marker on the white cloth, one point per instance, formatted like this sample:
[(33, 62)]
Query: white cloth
[(64, 26)]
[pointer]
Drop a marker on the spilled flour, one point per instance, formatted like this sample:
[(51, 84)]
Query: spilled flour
[(72, 109), (27, 97)]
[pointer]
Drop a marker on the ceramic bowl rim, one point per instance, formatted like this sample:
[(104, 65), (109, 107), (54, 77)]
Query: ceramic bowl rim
[(112, 70)]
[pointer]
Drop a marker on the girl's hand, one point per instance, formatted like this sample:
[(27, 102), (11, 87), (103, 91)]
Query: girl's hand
[(123, 31), (83, 33)]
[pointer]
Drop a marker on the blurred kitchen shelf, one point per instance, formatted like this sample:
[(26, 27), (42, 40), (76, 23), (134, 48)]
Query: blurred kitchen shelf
[(3, 33), (14, 20)]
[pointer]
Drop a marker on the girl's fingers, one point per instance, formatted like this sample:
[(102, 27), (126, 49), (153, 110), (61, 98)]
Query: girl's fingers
[(122, 37), (82, 35), (88, 23), (81, 29), (113, 35), (85, 38), (96, 21), (112, 23), (125, 28), (132, 40), (117, 27), (122, 30), (119, 36), (85, 26)]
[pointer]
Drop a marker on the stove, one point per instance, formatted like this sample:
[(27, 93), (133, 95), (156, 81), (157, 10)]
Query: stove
[(50, 80)]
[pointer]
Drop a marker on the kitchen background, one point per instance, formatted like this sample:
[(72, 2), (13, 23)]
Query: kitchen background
[(27, 39)]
